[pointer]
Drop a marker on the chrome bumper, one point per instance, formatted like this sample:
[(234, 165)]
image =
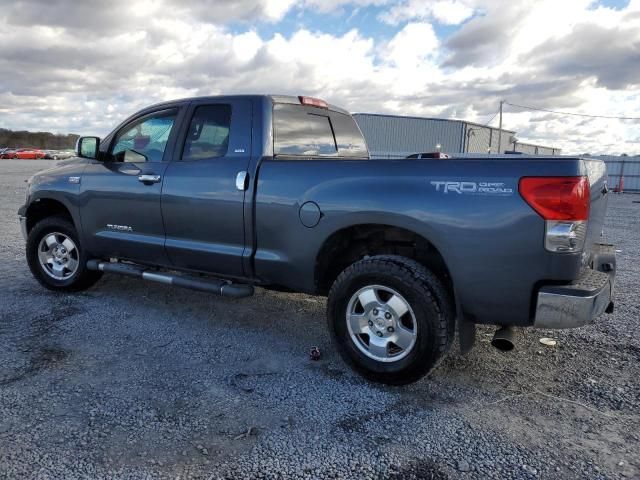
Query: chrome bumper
[(582, 301), (23, 227)]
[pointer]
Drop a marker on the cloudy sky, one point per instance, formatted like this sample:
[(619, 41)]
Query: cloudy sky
[(81, 66)]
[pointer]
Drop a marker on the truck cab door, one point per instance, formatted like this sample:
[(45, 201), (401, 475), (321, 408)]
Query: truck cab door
[(204, 188), (120, 194)]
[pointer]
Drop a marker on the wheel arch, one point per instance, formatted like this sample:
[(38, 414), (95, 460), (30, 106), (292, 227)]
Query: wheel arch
[(350, 244), (45, 207)]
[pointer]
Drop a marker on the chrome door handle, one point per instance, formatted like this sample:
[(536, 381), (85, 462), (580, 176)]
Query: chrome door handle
[(149, 179), (242, 180)]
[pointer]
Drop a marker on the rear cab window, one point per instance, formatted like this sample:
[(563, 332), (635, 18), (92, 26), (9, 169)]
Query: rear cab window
[(208, 134), (309, 132)]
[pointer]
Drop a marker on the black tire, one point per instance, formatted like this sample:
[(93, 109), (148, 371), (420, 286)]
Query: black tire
[(428, 299), (81, 279)]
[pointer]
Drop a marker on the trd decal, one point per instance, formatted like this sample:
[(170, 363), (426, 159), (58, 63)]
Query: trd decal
[(472, 188)]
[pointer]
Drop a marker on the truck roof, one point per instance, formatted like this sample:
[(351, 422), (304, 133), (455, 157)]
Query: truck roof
[(275, 98)]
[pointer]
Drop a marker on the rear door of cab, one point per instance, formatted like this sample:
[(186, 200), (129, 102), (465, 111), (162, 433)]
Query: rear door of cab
[(203, 195)]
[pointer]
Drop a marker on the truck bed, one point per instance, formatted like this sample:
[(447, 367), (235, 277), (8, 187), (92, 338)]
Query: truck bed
[(469, 209)]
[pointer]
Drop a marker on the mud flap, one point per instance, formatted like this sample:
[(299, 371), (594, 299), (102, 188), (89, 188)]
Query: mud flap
[(466, 335)]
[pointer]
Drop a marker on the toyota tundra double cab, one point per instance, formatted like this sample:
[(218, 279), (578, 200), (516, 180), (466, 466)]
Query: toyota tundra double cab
[(222, 194)]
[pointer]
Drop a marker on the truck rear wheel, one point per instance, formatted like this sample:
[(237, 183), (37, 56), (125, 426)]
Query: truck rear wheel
[(55, 256), (391, 319)]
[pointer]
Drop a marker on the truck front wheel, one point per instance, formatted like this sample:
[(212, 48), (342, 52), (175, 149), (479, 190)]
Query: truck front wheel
[(391, 319), (55, 256)]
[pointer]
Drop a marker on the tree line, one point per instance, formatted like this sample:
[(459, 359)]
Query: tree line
[(44, 140)]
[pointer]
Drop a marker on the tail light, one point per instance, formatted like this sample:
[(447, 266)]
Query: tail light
[(563, 202)]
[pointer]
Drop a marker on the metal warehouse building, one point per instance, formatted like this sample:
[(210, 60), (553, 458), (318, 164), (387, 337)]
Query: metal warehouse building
[(623, 172), (397, 136)]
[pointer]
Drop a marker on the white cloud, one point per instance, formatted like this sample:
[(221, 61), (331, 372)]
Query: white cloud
[(412, 45), (326, 6), (447, 12), (276, 9), (246, 45), (451, 12)]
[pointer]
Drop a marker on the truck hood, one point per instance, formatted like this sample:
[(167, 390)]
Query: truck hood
[(57, 176), (62, 167), (70, 161)]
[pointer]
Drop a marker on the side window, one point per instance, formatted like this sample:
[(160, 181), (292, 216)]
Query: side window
[(299, 132), (208, 135), (145, 139)]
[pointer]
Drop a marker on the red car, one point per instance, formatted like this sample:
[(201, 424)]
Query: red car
[(28, 154)]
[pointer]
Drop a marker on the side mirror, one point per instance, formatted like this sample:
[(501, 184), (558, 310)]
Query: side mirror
[(87, 147)]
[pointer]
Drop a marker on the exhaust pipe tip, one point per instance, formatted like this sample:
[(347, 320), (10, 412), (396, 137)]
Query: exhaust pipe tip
[(503, 339)]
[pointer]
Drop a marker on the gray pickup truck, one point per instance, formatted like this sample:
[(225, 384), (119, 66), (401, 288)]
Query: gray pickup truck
[(222, 194)]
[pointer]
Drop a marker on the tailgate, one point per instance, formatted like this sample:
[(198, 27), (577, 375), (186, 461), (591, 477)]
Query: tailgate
[(597, 174)]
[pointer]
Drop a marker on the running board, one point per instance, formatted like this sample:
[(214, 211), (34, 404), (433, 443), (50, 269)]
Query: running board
[(217, 286)]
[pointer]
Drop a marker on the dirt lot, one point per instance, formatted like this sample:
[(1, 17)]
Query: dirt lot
[(138, 380)]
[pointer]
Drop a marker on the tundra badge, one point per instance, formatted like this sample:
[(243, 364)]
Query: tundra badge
[(119, 228)]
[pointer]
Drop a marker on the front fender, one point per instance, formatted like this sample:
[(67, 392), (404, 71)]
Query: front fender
[(61, 185)]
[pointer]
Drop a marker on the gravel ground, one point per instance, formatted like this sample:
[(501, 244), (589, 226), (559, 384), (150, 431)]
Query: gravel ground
[(138, 380)]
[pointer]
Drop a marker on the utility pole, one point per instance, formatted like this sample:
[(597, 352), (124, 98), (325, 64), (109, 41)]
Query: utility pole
[(500, 128)]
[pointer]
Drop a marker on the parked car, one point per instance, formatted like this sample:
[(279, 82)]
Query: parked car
[(280, 192), (65, 154), (58, 154), (28, 154), (7, 153), (429, 155)]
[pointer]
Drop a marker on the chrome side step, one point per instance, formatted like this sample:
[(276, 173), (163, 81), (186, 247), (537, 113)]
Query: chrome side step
[(217, 286)]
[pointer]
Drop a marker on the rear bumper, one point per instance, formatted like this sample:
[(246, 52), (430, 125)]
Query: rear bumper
[(581, 302)]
